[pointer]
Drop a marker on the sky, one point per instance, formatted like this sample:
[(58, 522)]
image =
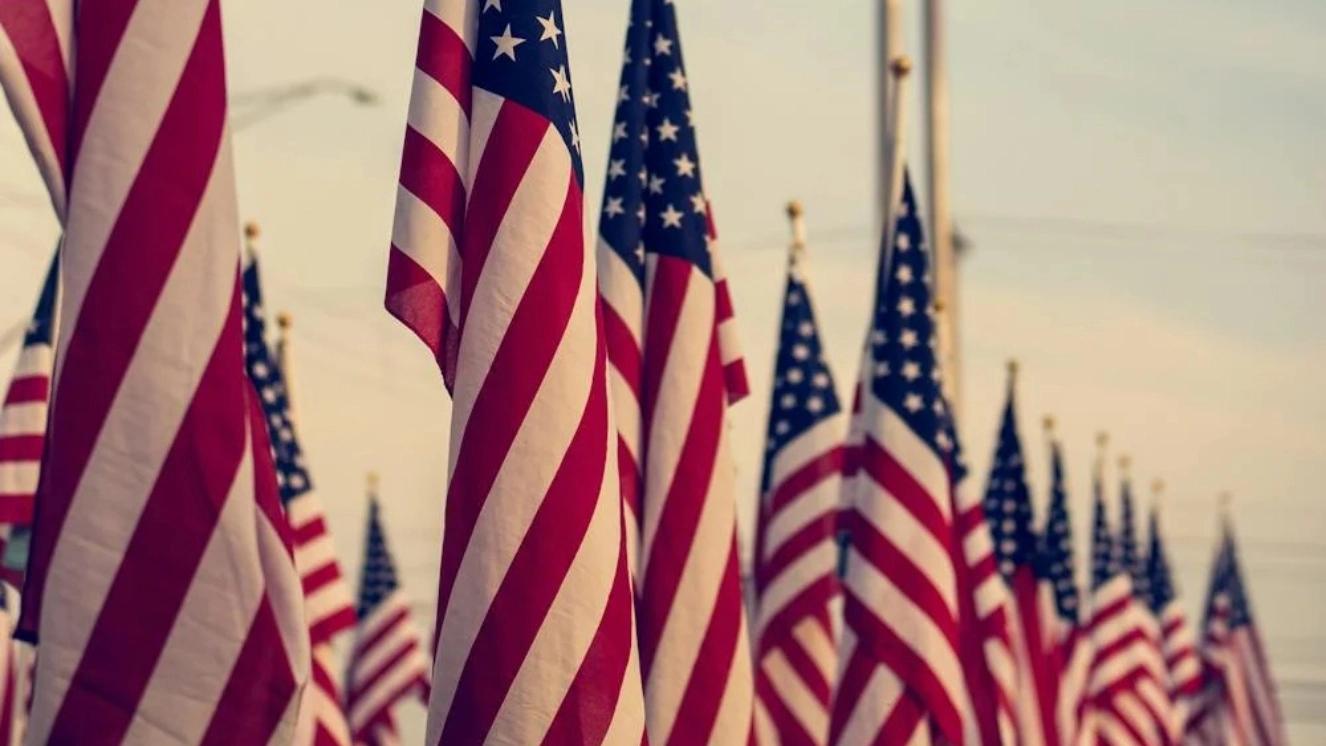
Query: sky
[(1142, 186)]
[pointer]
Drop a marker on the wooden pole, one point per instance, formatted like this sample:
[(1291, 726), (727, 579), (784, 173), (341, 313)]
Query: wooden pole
[(941, 221), (895, 144), (889, 38), (283, 359)]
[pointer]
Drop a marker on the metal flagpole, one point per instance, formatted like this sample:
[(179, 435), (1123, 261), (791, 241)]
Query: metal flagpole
[(889, 39), (941, 222)]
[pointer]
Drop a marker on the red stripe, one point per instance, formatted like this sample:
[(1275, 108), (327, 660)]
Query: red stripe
[(306, 532), (554, 537), (31, 30), (321, 577), (666, 295), (523, 355), (139, 253), (623, 349), (443, 56), (805, 478), (810, 601), (590, 703), (851, 685), (899, 567), (789, 729), (380, 722), (162, 556), (415, 298), (816, 531), (698, 709), (1042, 656), (806, 668), (16, 509), (19, 448), (92, 54), (629, 473), (902, 720), (325, 628), (259, 689), (382, 631), (362, 685), (28, 389)]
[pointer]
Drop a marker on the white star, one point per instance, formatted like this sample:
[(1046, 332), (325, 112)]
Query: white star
[(561, 84), (496, 4), (904, 274), (644, 175), (877, 337), (678, 80), (820, 381), (906, 306), (656, 184), (912, 403), (662, 45), (575, 136), (614, 207), (911, 371), (671, 217), (793, 298), (788, 401), (616, 167), (699, 203), (649, 99), (800, 351), (640, 213), (550, 30), (667, 130), (619, 131), (685, 166), (640, 253), (805, 328), (881, 368), (781, 427), (908, 339), (623, 95), (814, 404), (903, 242), (506, 44), (794, 375)]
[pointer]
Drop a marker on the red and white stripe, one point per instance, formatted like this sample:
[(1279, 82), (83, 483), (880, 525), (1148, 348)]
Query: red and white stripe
[(1127, 688), (1076, 654), (330, 610), (23, 440), (535, 637), (1184, 667), (35, 60), (388, 663), (14, 657), (161, 583)]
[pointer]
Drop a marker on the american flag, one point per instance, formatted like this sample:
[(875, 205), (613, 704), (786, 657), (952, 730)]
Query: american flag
[(1055, 575), (1239, 705), (535, 636), (12, 696), (675, 369), (36, 50), (924, 651), (1008, 509), (389, 661), (1179, 642), (161, 584), (327, 599), (23, 423), (796, 552), (1128, 699)]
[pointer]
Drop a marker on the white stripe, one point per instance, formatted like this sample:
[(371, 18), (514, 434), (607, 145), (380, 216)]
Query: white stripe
[(620, 288), (816, 504), (921, 462), (140, 427), (366, 661), (382, 692), (766, 733), (795, 696), (23, 101), (23, 419), (806, 447), (33, 361), (1115, 734), (461, 15), (19, 477), (818, 646), (897, 524), (732, 721), (792, 581), (878, 698)]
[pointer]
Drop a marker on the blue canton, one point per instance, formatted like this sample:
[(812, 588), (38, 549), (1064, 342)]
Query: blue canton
[(291, 475), (522, 56), (1054, 555), (653, 200), (803, 392), (1227, 579), (1130, 559), (1007, 498), (1103, 560), (901, 347), (41, 331), (378, 579), (1159, 581)]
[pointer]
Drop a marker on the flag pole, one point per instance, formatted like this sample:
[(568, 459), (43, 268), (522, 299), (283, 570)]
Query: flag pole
[(797, 220), (283, 324), (1157, 494), (937, 180), (1102, 442), (894, 139), (889, 39)]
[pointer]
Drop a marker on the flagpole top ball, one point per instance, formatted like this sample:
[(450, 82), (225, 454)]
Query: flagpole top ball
[(938, 306), (900, 66), (794, 209), (283, 320), (1012, 367), (373, 481), (1048, 422), (251, 230)]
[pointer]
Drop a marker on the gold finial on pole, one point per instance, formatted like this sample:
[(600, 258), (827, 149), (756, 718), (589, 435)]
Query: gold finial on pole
[(1012, 368), (796, 216), (283, 324), (251, 230), (1124, 462), (1048, 423), (1102, 442), (900, 66), (373, 483)]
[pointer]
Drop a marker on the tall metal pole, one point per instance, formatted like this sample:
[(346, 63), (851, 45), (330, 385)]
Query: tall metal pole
[(941, 221), (889, 39)]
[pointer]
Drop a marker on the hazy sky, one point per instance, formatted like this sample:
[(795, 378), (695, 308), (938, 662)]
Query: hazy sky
[(1144, 186)]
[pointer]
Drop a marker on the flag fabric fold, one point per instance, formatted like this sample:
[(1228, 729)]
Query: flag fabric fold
[(1178, 640), (161, 585), (796, 551), (534, 639), (675, 368), (1056, 579)]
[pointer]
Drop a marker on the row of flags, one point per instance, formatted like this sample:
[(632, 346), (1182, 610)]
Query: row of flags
[(181, 582)]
